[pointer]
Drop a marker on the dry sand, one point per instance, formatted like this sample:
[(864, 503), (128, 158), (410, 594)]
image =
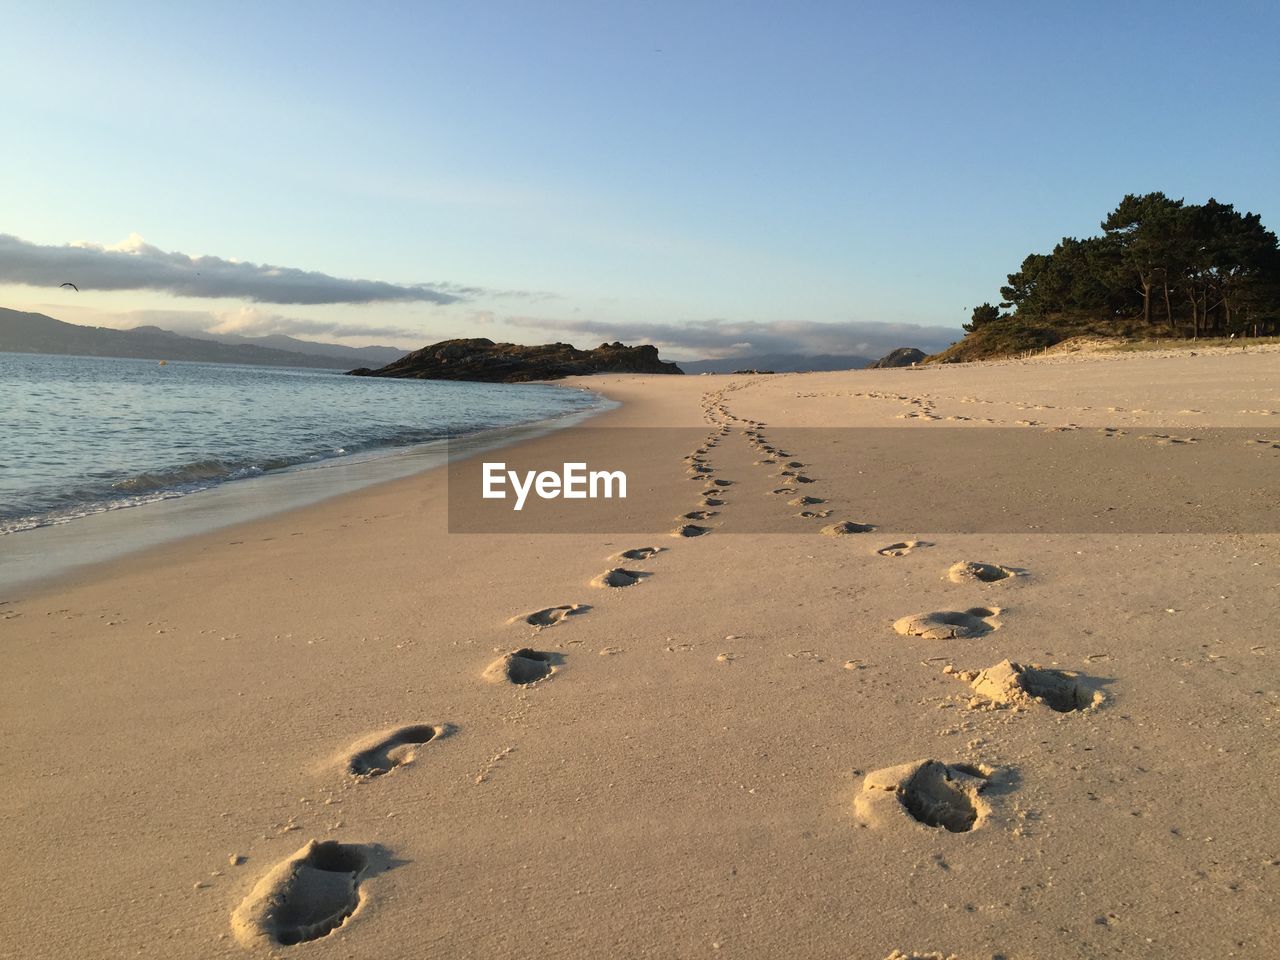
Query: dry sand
[(725, 757)]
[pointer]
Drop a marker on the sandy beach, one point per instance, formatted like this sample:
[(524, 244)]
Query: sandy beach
[(726, 755)]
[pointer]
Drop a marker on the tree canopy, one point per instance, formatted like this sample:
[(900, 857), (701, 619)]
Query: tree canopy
[(1161, 264)]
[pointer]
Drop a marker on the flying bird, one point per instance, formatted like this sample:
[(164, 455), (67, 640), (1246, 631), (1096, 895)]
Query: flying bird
[(71, 285)]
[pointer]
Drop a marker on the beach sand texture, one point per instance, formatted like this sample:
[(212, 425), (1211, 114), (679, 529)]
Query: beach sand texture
[(343, 732)]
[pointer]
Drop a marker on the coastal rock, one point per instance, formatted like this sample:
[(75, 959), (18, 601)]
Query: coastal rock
[(902, 357), (482, 359)]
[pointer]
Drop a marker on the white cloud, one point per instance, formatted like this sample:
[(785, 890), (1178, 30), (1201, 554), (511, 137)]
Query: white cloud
[(245, 322), (134, 264)]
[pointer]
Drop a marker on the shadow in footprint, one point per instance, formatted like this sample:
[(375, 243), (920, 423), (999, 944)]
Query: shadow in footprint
[(550, 616), (388, 751), (953, 797), (1063, 691), (846, 527), (309, 894), (689, 530), (522, 667), (969, 571), (902, 549), (639, 553), (949, 624), (618, 577), (939, 795)]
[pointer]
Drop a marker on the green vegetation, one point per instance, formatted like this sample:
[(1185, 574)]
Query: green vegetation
[(1162, 268)]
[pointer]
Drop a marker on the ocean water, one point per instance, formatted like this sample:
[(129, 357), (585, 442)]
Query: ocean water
[(84, 435)]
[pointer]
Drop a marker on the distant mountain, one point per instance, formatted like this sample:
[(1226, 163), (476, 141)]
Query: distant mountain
[(36, 333), (350, 356), (778, 362)]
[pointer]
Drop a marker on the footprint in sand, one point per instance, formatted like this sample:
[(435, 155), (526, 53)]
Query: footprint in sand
[(782, 491), (901, 549), (712, 502), (846, 527), (304, 897), (814, 514), (1009, 683), (383, 752), (639, 553), (970, 571), (521, 667), (618, 577), (950, 624), (550, 616), (930, 792), (689, 530), (804, 501), (697, 515)]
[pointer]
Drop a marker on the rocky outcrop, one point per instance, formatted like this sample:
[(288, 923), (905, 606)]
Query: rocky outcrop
[(902, 357), (482, 359)]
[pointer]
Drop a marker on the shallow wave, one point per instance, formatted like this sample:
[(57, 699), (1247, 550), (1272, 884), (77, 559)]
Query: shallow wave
[(89, 509), (101, 490), (181, 475)]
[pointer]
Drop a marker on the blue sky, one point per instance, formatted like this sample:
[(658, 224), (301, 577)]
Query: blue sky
[(707, 175)]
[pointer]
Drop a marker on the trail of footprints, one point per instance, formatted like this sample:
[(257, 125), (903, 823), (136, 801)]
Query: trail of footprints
[(950, 796), (314, 891), (792, 482), (924, 407)]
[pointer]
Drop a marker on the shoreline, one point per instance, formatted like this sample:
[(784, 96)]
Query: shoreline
[(64, 552)]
